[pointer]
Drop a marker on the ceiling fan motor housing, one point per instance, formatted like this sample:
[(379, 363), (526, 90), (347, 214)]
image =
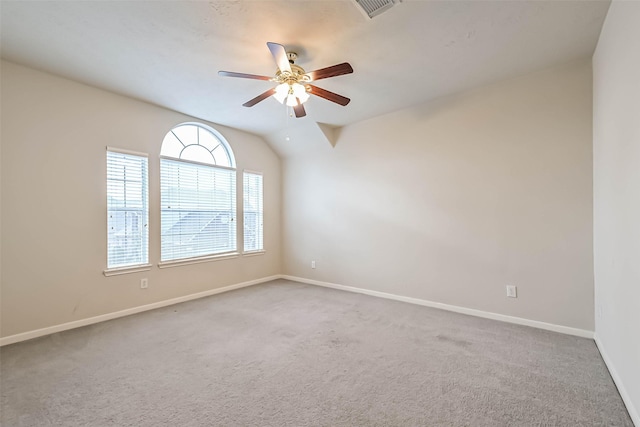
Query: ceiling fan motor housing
[(297, 75)]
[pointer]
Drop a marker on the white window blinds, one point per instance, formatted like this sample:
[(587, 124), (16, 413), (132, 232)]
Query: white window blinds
[(252, 202), (198, 209), (127, 209)]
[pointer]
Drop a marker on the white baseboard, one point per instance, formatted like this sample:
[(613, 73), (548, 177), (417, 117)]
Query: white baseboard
[(109, 316), (633, 412), (472, 312), (479, 313)]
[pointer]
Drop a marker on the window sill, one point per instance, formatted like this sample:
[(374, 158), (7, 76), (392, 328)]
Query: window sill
[(254, 253), (187, 261), (126, 270)]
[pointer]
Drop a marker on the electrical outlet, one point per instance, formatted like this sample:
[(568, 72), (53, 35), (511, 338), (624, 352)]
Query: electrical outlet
[(512, 291), (313, 264), (144, 283)]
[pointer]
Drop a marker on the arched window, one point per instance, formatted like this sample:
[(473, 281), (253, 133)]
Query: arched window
[(198, 143), (198, 193)]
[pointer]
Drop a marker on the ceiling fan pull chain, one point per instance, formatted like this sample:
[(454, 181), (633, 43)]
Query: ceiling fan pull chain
[(288, 114)]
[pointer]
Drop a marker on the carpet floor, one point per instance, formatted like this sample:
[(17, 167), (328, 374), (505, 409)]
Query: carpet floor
[(288, 354)]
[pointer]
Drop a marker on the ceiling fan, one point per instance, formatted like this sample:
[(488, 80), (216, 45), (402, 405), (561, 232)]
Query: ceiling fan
[(294, 82)]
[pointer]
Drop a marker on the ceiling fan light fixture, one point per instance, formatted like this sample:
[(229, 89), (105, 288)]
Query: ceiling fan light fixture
[(281, 92), (291, 93), (304, 97), (300, 92), (292, 101)]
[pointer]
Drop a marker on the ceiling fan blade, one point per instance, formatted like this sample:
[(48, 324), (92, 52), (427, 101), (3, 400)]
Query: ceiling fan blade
[(334, 70), (259, 98), (299, 109), (328, 95), (280, 56), (242, 75)]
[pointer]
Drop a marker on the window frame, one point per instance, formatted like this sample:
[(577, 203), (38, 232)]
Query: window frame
[(232, 252), (261, 249), (145, 265)]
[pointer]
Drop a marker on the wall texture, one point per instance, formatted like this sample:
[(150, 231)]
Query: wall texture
[(616, 193), (54, 135), (452, 200)]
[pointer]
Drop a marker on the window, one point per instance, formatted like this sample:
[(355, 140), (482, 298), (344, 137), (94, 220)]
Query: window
[(127, 209), (252, 202), (198, 194)]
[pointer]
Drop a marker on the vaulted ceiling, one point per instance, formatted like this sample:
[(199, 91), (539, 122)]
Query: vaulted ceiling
[(169, 52)]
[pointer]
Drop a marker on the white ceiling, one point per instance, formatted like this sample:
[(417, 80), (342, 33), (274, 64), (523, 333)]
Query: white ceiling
[(168, 52)]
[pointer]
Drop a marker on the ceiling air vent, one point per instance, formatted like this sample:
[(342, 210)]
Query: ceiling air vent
[(373, 8)]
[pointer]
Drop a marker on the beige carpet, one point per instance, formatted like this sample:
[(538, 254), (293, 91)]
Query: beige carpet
[(287, 354)]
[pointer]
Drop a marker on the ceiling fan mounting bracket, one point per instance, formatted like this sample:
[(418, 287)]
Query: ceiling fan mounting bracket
[(292, 56)]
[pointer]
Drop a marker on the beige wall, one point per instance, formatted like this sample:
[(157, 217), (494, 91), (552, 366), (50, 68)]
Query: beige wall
[(54, 134), (447, 202), (453, 200), (616, 152)]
